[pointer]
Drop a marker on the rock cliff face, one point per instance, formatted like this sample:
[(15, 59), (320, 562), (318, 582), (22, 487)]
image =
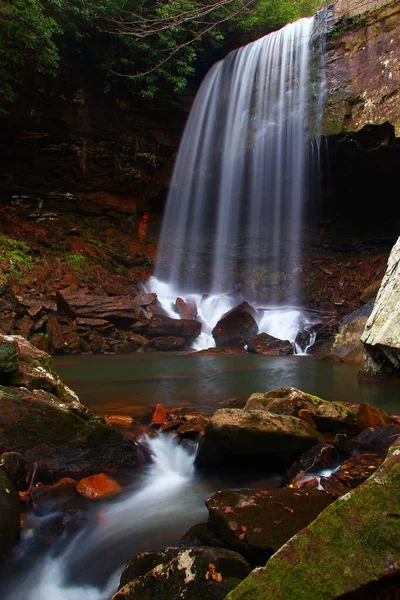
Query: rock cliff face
[(66, 139), (363, 66), (381, 335)]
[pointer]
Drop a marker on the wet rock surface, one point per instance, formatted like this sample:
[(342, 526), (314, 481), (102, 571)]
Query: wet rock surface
[(269, 346), (256, 523), (328, 416), (236, 327), (44, 421), (178, 573), (351, 545)]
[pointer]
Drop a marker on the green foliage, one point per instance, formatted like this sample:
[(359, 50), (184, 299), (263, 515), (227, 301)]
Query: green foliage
[(13, 252), (27, 35), (76, 261), (269, 15), (147, 45)]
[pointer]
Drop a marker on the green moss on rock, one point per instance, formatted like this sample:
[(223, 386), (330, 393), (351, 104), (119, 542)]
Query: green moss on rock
[(352, 543)]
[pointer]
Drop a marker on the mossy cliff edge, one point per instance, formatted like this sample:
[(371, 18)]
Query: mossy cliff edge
[(352, 543)]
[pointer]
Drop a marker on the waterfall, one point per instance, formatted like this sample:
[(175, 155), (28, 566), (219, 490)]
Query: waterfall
[(234, 214)]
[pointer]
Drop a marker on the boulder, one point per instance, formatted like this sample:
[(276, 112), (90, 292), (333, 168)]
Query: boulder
[(369, 416), (347, 344), (67, 437), (9, 515), (160, 326), (269, 346), (256, 523), (253, 437), (98, 486), (352, 548), (236, 327), (182, 574), (328, 416), (381, 336), (186, 310)]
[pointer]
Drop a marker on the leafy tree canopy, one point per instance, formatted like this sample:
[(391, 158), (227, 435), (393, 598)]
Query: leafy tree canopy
[(145, 43)]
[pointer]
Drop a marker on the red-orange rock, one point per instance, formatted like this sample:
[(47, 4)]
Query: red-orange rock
[(159, 416), (369, 416), (120, 420), (98, 486)]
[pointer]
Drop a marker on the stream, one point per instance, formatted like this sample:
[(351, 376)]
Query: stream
[(160, 502)]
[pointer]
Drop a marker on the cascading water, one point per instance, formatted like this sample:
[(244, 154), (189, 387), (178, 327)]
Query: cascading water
[(89, 565), (234, 211)]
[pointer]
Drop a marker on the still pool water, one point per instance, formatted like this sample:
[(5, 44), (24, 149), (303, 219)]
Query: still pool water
[(133, 384)]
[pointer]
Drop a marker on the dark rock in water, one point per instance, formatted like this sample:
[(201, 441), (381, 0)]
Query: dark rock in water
[(9, 515), (168, 342), (182, 574), (328, 416), (318, 482), (379, 438), (353, 544), (201, 535), (56, 494), (235, 328), (345, 443), (222, 350), (317, 459), (159, 326), (15, 465), (269, 345), (256, 523), (253, 437), (69, 438)]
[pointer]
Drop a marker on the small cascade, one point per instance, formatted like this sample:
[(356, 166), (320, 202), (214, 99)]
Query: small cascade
[(89, 565), (233, 223)]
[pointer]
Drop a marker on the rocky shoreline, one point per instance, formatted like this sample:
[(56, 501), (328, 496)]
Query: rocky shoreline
[(342, 463)]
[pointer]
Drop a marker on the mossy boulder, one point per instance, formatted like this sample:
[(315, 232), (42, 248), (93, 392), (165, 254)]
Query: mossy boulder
[(32, 368), (254, 438), (328, 416), (256, 523), (9, 515), (42, 428), (182, 574), (353, 543)]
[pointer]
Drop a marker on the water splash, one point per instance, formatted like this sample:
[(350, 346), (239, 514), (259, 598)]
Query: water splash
[(89, 565)]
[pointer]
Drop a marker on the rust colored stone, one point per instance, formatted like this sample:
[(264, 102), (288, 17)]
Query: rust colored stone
[(159, 415), (369, 416), (120, 420), (98, 486)]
